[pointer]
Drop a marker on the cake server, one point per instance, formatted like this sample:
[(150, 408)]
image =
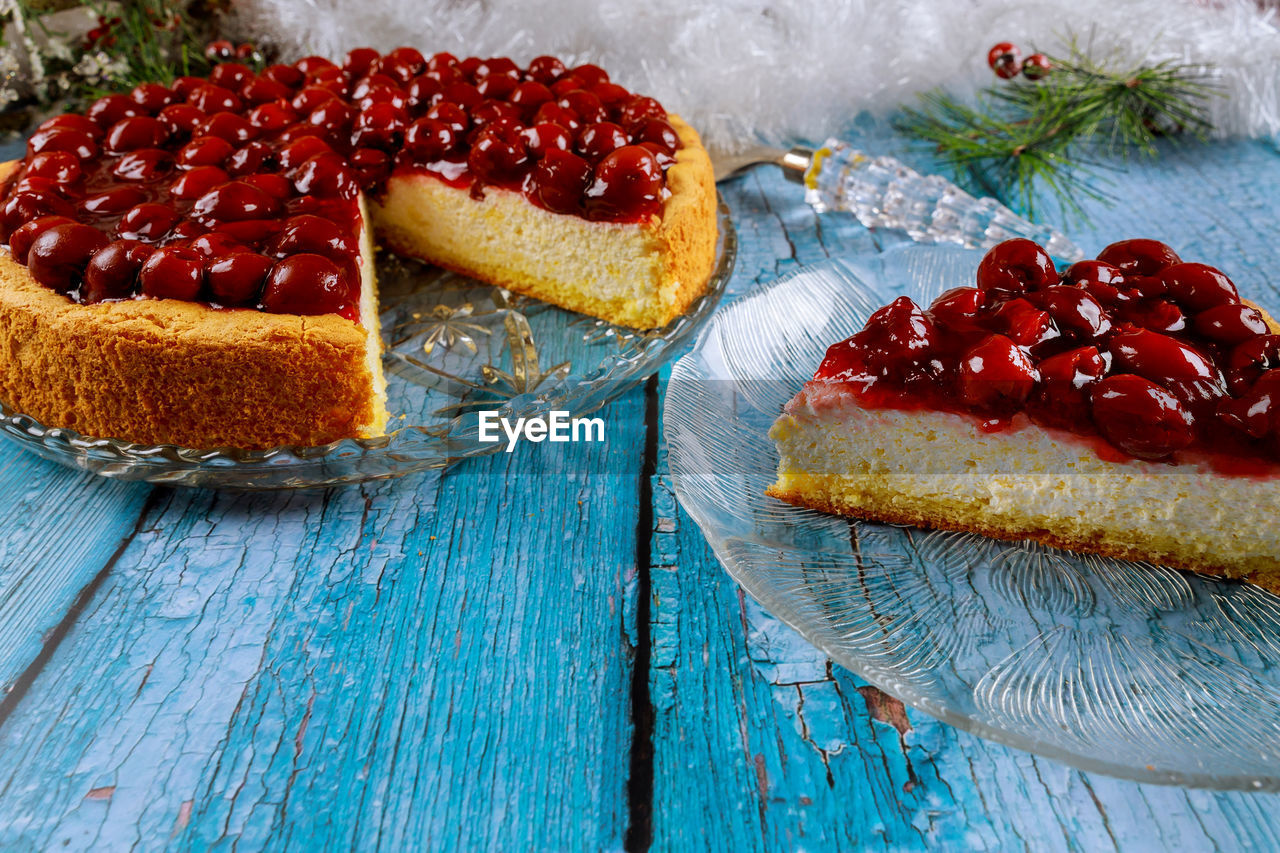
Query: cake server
[(883, 192)]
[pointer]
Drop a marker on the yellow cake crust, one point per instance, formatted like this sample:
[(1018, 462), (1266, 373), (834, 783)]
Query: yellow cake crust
[(164, 371), (642, 275)]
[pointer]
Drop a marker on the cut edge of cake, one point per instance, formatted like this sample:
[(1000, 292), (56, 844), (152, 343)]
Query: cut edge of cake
[(640, 275), (941, 470)]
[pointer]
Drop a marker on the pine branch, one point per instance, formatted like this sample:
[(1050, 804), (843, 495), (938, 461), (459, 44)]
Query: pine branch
[(1026, 137)]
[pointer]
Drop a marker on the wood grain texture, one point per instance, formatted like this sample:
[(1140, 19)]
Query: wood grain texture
[(428, 663), (761, 743)]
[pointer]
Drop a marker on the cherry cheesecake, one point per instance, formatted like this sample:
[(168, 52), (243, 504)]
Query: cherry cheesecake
[(193, 263), (1128, 406)]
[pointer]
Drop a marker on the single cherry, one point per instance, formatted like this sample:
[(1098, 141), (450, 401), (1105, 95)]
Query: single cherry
[(21, 239), (237, 279), (359, 60), (559, 180), (144, 166), (1141, 256), (22, 207), (995, 374), (307, 233), (174, 272), (58, 257), (1015, 267), (1074, 311), (1231, 323), (546, 69), (499, 155), (637, 109), (379, 126), (148, 222), (1199, 287), (61, 167), (428, 140), (181, 119), (596, 140), (204, 151), (305, 284), (113, 270), (236, 201), (659, 132), (552, 113), (959, 308), (326, 176), (1140, 417), (215, 99), (232, 127), (109, 109), (1023, 323), (272, 117), (197, 182), (136, 132), (67, 139), (628, 183), (1063, 397), (585, 106), (250, 159)]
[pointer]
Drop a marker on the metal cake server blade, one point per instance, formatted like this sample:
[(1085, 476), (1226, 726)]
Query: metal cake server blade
[(883, 192)]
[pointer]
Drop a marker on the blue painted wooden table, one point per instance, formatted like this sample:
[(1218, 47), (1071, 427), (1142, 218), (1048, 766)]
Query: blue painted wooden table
[(530, 651)]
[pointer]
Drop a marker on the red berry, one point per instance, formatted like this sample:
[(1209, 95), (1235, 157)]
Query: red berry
[(61, 167), (236, 201), (214, 99), (204, 151), (428, 140), (585, 106), (311, 234), (637, 109), (115, 200), (423, 93), (499, 155), (112, 272), (229, 126), (305, 284), (109, 109), (995, 374), (559, 181), (146, 165), (1141, 256), (550, 113), (546, 69), (1036, 66), (371, 165), (237, 279), (1025, 324), (67, 139), (250, 159), (181, 119), (628, 183), (21, 239), (597, 140), (23, 207), (221, 49), (286, 75), (1198, 287), (659, 132), (229, 75), (1230, 323), (272, 117), (174, 272), (1063, 397), (528, 96), (261, 90), (359, 60), (149, 222), (152, 97), (58, 257), (325, 176), (497, 86), (590, 75), (1003, 55), (1140, 417), (197, 182), (542, 138), (299, 151), (452, 115), (379, 126), (404, 63), (1015, 267), (1074, 311), (959, 308)]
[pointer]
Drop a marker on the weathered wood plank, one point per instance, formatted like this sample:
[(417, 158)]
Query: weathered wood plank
[(423, 663), (58, 529), (760, 743)]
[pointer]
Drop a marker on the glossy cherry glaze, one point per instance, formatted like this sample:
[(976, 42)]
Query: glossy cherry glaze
[(1144, 354), (240, 190)]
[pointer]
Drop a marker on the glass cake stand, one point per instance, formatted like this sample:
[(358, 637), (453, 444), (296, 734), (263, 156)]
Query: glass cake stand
[(1133, 670), (452, 347)]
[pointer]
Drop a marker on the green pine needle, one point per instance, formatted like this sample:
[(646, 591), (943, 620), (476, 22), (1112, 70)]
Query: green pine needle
[(1024, 137)]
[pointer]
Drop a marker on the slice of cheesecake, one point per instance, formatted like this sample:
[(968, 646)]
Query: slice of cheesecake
[(1129, 408)]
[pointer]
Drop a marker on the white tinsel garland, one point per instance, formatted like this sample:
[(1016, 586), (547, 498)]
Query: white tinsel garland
[(790, 69)]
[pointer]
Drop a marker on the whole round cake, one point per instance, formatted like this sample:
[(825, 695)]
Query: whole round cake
[(192, 264)]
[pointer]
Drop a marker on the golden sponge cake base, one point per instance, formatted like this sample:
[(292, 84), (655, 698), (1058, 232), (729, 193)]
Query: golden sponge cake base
[(940, 470)]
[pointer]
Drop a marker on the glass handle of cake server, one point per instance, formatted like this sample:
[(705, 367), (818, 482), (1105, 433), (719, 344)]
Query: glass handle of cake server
[(882, 192)]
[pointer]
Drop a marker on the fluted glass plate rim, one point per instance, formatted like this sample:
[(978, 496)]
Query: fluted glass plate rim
[(722, 524)]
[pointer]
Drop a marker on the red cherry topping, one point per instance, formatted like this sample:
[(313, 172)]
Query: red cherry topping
[(1063, 397), (499, 155), (113, 270), (597, 140), (428, 140), (637, 109), (546, 69), (237, 279), (197, 182), (109, 109), (1198, 287), (214, 99), (204, 151), (1015, 267), (542, 138), (136, 132), (305, 284), (550, 113), (115, 200), (326, 176), (559, 181), (148, 222), (379, 126), (73, 121), (451, 115), (229, 126), (1230, 323), (67, 139), (229, 75), (286, 75), (21, 239), (299, 151), (174, 272), (60, 167), (146, 165), (658, 131), (58, 257), (271, 117), (1144, 257), (261, 90), (1140, 417), (181, 119), (996, 373), (235, 201), (628, 183), (585, 106), (404, 63), (250, 159), (311, 234), (359, 60), (959, 308), (1074, 311)]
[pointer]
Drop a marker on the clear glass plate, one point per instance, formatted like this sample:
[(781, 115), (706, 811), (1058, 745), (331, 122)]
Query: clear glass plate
[(1129, 669), (453, 346)]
